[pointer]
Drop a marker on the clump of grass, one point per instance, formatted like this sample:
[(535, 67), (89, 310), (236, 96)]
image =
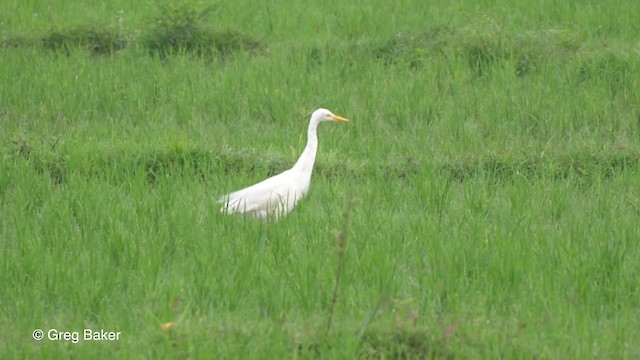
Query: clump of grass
[(586, 167), (233, 162), (415, 48), (529, 50), (181, 27), (400, 344), (18, 41), (613, 68), (482, 44), (44, 159), (175, 160), (96, 39)]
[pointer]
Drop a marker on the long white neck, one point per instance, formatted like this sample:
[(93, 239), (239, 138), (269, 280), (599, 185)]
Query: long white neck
[(308, 157)]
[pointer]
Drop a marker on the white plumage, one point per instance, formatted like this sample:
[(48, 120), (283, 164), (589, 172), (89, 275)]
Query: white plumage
[(276, 196)]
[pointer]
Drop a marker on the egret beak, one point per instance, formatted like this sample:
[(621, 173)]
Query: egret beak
[(338, 118)]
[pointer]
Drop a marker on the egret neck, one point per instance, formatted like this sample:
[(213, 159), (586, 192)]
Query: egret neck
[(308, 157)]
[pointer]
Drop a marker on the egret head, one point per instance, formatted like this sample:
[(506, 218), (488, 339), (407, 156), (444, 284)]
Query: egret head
[(321, 115)]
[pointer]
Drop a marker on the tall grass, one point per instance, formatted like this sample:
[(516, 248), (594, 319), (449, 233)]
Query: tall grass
[(493, 154)]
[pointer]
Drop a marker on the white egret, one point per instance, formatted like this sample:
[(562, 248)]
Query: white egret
[(276, 196)]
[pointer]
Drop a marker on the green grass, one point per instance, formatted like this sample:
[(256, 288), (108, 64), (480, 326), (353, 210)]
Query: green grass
[(493, 159)]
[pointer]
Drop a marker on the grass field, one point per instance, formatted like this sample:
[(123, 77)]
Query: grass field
[(487, 188)]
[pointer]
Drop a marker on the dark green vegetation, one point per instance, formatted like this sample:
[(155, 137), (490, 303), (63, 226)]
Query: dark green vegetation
[(492, 166), (177, 28)]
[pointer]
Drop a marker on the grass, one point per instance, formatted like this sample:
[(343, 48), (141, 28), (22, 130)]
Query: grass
[(490, 170)]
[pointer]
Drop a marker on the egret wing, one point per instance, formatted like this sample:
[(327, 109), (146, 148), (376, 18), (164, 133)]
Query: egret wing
[(258, 197)]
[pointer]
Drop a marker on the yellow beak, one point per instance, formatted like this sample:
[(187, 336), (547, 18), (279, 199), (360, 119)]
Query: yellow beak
[(338, 118)]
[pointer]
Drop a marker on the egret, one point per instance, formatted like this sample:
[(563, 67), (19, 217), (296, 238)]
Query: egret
[(276, 196)]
